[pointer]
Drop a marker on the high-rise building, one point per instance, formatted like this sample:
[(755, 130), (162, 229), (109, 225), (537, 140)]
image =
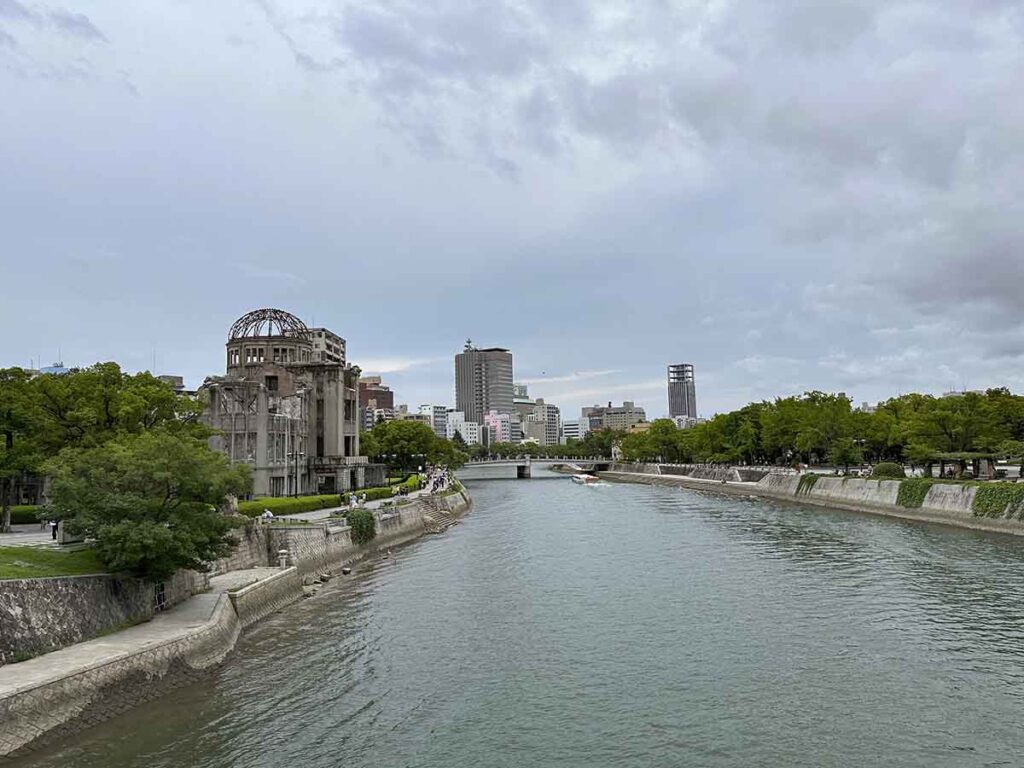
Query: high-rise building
[(682, 394), (483, 382), (545, 423)]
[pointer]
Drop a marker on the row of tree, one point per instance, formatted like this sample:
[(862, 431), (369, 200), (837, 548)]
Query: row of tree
[(128, 464), (405, 445), (818, 427)]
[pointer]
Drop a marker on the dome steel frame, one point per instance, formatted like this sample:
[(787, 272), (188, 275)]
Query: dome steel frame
[(261, 323)]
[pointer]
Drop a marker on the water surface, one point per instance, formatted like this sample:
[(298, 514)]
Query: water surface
[(621, 625)]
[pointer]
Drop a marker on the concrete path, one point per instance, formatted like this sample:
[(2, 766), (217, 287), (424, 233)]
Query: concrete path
[(28, 536), (170, 625)]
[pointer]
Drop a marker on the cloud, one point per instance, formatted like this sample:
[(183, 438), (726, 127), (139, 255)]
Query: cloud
[(633, 390), (12, 9), (382, 365), (76, 24), (269, 273), (575, 376)]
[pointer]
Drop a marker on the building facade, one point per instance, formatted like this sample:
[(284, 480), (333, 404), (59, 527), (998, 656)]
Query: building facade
[(483, 381), (288, 409), (455, 422), (376, 401), (438, 415), (682, 392), (499, 427), (613, 417), (545, 423), (575, 429)]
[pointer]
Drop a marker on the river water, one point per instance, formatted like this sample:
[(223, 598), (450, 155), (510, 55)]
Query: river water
[(621, 625)]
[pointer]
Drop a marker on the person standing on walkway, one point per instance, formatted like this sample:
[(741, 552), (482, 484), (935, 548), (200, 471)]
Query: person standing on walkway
[(53, 529)]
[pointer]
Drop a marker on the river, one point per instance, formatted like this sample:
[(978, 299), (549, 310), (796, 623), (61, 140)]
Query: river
[(620, 625)]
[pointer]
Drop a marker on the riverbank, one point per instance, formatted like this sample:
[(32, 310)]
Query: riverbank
[(56, 694), (944, 504)]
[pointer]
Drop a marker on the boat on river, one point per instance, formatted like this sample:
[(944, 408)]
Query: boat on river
[(585, 479)]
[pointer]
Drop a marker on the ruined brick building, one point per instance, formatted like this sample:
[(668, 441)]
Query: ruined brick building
[(288, 406)]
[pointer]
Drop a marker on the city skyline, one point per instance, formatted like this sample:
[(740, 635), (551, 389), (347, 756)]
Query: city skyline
[(570, 390)]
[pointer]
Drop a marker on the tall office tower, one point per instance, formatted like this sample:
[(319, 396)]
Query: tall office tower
[(682, 395), (483, 382)]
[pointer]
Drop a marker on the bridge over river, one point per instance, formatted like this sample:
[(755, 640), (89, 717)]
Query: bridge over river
[(526, 467)]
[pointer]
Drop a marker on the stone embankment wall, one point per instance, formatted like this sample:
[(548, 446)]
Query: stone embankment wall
[(62, 704), (41, 615), (317, 549), (944, 503), (55, 703)]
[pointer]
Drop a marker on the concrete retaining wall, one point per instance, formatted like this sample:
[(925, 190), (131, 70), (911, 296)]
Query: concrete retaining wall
[(944, 504), (259, 600), (94, 693)]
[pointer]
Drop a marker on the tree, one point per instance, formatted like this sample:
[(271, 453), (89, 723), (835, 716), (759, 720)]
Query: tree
[(89, 406), (19, 450), (149, 500), (845, 452), (405, 444)]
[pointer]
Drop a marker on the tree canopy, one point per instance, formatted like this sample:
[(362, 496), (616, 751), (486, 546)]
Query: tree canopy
[(406, 444), (129, 464), (819, 427)]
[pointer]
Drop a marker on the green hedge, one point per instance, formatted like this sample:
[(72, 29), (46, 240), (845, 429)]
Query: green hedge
[(25, 513), (999, 500), (411, 483), (888, 470), (806, 483), (285, 505), (363, 524)]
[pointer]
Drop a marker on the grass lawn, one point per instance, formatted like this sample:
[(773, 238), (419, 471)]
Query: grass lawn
[(34, 562)]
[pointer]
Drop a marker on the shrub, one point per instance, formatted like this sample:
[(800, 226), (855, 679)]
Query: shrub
[(806, 483), (285, 505), (25, 513), (999, 500), (363, 525), (888, 470), (912, 492)]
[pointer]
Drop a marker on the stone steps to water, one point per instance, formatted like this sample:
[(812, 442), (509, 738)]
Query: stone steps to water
[(437, 518)]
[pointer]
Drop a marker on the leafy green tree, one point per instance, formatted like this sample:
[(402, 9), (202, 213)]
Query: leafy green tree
[(149, 500), (91, 405), (844, 452), (19, 448)]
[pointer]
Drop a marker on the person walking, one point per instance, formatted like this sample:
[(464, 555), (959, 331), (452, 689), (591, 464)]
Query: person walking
[(53, 529)]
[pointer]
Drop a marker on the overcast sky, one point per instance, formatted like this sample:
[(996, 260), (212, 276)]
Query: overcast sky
[(793, 195)]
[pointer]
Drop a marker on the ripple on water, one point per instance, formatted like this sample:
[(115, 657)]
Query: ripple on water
[(621, 626)]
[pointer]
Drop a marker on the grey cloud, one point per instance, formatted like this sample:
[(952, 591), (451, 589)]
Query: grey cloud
[(76, 24), (12, 9), (7, 40)]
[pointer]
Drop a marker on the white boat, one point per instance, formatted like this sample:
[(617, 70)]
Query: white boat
[(585, 479)]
